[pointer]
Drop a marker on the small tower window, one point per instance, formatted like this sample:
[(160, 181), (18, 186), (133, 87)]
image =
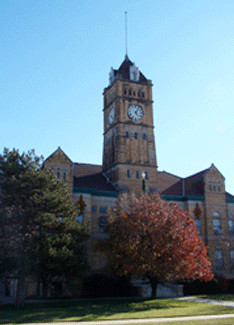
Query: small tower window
[(134, 93), (144, 136), (146, 175), (137, 174), (134, 73), (136, 135), (128, 173), (130, 92), (143, 94), (125, 91), (127, 134)]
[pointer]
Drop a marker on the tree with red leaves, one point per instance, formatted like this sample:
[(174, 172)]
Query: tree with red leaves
[(151, 238)]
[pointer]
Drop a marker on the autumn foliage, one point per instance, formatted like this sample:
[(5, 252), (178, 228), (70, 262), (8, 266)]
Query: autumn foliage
[(150, 238)]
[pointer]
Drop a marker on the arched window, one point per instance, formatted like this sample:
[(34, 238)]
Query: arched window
[(58, 174), (64, 175)]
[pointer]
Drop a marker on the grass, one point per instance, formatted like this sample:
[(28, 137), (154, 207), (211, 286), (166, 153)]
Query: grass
[(220, 296), (92, 310)]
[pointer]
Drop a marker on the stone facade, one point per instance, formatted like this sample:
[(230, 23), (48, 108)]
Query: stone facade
[(128, 152)]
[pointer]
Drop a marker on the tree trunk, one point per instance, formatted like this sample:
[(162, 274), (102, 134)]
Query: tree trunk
[(21, 289), (154, 284), (45, 285)]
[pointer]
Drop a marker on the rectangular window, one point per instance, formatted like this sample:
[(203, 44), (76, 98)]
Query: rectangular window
[(219, 259), (137, 174), (93, 209), (128, 173), (214, 187), (127, 134), (102, 223), (217, 227), (198, 224), (232, 258), (146, 175), (103, 210), (230, 227), (210, 187), (144, 136), (136, 135), (64, 175)]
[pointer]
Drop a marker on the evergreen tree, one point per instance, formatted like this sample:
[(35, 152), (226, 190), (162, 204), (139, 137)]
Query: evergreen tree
[(40, 235)]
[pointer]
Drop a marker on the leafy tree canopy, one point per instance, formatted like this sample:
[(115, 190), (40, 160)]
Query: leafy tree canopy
[(150, 238)]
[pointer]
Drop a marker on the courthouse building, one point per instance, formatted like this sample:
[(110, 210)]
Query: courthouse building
[(128, 153)]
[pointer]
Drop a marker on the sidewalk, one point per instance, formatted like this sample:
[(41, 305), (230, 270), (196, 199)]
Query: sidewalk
[(142, 321), (208, 301)]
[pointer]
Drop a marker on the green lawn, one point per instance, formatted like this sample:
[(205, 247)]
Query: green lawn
[(220, 296), (91, 310)]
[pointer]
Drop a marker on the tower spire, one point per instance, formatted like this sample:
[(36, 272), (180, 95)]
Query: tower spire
[(126, 34)]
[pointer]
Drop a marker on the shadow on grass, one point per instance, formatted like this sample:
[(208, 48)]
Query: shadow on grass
[(88, 310)]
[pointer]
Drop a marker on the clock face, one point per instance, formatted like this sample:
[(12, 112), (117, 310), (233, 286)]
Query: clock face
[(135, 112), (111, 115)]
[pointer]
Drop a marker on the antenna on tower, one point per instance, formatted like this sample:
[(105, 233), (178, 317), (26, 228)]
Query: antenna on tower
[(126, 34)]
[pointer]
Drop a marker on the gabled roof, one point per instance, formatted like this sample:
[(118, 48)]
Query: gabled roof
[(86, 169), (96, 182), (166, 180), (229, 198), (123, 71), (192, 186), (60, 152)]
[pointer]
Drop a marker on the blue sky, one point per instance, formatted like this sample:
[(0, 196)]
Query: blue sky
[(55, 57)]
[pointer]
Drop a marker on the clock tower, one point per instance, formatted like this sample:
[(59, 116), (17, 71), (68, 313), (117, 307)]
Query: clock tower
[(129, 145)]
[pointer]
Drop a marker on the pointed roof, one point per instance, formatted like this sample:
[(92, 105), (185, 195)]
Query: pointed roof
[(59, 152), (123, 71)]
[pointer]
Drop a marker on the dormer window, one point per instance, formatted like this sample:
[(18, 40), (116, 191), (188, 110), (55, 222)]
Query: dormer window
[(134, 73), (111, 76)]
